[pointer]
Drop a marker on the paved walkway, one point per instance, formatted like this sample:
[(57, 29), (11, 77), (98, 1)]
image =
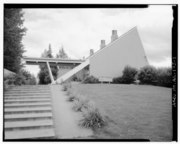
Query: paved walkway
[(65, 119)]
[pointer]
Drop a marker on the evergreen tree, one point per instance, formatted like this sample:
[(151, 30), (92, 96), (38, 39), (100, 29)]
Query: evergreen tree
[(13, 34), (62, 54), (43, 75), (49, 52)]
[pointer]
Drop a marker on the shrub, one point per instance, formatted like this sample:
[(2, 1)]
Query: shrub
[(80, 104), (17, 79), (92, 119), (129, 74), (164, 77), (117, 80), (66, 86), (22, 78), (26, 78), (74, 78), (148, 75), (72, 98), (90, 79)]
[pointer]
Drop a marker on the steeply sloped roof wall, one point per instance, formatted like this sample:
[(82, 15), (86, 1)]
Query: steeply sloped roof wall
[(111, 60)]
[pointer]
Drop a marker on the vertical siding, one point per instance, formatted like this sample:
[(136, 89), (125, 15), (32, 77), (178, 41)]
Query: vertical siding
[(126, 50)]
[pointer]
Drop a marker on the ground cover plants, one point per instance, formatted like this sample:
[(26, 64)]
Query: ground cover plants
[(146, 75), (92, 118)]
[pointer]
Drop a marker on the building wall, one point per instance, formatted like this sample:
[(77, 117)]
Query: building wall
[(111, 60)]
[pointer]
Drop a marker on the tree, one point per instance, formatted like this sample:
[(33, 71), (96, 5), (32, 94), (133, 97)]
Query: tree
[(43, 75), (148, 75), (164, 77), (128, 76), (62, 54), (13, 34), (49, 52)]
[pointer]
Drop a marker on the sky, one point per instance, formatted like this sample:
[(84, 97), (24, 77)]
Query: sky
[(79, 30)]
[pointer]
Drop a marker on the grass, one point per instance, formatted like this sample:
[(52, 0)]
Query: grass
[(92, 118), (66, 86), (133, 111)]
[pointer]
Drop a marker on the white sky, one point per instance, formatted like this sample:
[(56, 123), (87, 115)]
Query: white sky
[(80, 30)]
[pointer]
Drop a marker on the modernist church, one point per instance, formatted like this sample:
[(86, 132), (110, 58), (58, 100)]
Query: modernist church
[(110, 60), (105, 64)]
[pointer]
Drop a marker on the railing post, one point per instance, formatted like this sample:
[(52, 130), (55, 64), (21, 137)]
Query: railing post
[(50, 73)]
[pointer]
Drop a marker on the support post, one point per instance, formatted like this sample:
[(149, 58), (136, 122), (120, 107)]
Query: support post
[(50, 73), (58, 67)]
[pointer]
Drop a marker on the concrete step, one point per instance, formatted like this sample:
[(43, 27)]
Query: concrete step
[(17, 93), (30, 124), (28, 134), (27, 94), (26, 97), (29, 90), (39, 104), (26, 116), (27, 110), (30, 87), (26, 101), (28, 113)]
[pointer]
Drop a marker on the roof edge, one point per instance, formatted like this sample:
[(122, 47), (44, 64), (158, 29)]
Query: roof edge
[(134, 28)]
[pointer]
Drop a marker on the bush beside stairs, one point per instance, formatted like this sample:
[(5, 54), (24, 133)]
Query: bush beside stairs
[(28, 113)]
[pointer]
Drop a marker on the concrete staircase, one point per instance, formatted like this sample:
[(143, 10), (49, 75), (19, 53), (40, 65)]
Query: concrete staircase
[(70, 73), (28, 113)]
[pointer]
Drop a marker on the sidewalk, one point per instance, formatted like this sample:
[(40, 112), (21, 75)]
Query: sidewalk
[(65, 119)]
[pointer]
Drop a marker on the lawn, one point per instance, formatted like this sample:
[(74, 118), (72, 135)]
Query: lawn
[(132, 111)]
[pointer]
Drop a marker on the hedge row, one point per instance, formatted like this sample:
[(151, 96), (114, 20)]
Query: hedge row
[(146, 75)]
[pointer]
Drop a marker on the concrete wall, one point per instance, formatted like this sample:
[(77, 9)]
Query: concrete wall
[(111, 60), (63, 71)]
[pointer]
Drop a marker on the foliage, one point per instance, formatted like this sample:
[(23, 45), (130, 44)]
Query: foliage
[(92, 118), (22, 78), (62, 54), (129, 74), (72, 98), (118, 80), (148, 75), (75, 78), (90, 79), (44, 77), (66, 86), (81, 75), (164, 77), (80, 103), (13, 34)]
